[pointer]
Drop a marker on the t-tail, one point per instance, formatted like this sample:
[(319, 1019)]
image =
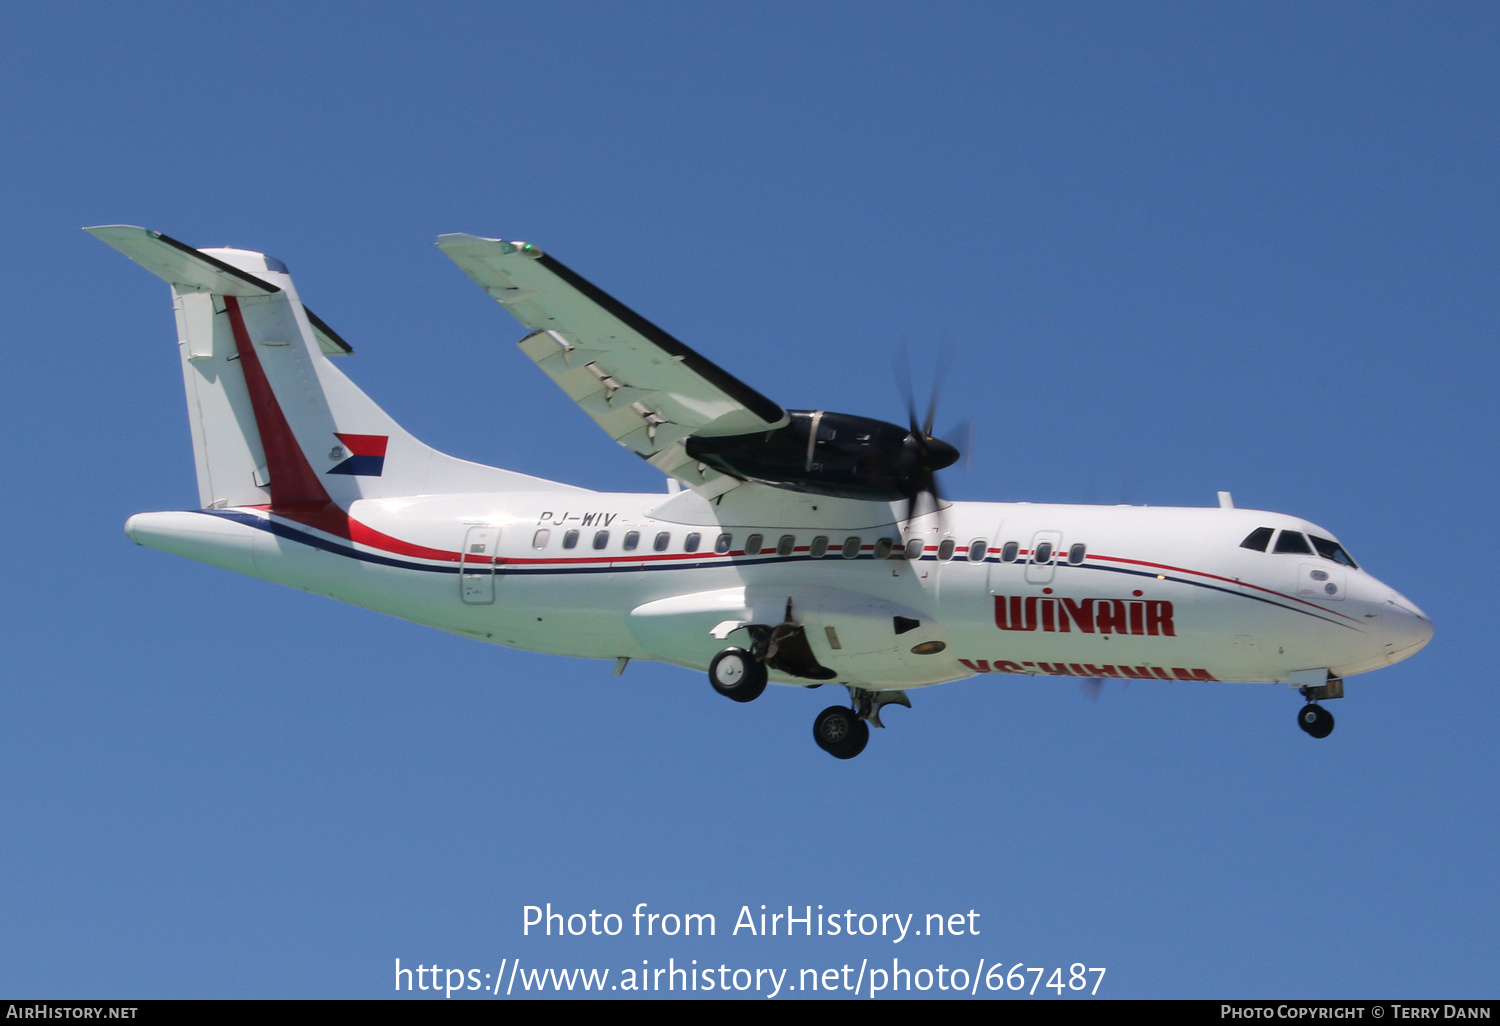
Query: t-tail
[(283, 441), (275, 424)]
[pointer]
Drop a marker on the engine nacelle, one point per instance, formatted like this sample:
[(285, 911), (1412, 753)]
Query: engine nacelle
[(835, 454)]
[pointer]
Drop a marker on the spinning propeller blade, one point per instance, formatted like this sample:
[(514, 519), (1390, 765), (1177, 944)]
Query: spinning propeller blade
[(923, 454)]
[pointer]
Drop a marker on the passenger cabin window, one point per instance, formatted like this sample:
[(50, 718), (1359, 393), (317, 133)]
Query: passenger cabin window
[(721, 546), (1043, 553), (819, 546), (1293, 541), (883, 548), (690, 544), (662, 541), (570, 540), (632, 539), (1330, 549), (1076, 553), (1011, 552), (753, 544), (539, 540), (786, 545), (945, 549), (915, 548), (851, 547), (977, 549), (1258, 539), (601, 539)]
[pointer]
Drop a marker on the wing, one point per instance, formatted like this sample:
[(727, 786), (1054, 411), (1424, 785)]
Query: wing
[(646, 389)]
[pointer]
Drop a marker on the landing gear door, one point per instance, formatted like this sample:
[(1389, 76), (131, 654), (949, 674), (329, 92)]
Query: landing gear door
[(476, 569), (1041, 564)]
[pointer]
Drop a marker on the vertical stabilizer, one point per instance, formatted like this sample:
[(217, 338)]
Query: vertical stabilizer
[(274, 422)]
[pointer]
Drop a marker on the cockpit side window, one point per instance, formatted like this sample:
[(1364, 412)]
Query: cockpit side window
[(1330, 549), (1258, 539), (1293, 541)]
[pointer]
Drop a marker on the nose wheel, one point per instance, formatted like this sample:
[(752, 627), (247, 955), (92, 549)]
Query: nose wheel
[(737, 675), (1315, 720)]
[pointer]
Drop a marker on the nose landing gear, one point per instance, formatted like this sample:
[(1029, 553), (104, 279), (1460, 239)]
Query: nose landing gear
[(1315, 720)]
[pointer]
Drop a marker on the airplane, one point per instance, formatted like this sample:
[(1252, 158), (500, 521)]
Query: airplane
[(800, 547)]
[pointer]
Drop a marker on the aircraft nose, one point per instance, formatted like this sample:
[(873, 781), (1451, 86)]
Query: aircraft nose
[(1404, 629)]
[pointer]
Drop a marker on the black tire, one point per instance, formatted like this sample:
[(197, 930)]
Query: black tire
[(737, 675), (840, 733), (1315, 720)]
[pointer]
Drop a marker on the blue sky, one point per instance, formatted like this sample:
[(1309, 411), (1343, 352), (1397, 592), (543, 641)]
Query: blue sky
[(1177, 248)]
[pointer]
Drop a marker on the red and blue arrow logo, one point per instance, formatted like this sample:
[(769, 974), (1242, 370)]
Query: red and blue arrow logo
[(366, 455)]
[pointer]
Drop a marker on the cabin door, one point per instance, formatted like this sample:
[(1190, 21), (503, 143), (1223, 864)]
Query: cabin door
[(476, 569)]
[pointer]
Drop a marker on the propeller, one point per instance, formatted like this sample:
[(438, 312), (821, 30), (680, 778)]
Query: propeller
[(922, 454), (1093, 687)]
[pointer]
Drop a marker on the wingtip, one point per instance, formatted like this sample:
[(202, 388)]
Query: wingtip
[(448, 239), (463, 240), (104, 231)]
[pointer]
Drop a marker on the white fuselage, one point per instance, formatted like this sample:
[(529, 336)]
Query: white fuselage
[(1167, 593)]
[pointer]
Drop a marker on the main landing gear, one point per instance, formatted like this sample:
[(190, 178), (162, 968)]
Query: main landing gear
[(841, 731), (738, 675)]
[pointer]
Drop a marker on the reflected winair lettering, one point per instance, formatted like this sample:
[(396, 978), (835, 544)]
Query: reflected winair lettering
[(1089, 670), (1149, 617)]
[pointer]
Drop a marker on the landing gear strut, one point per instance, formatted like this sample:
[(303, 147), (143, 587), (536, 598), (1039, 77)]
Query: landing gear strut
[(1312, 717), (737, 674)]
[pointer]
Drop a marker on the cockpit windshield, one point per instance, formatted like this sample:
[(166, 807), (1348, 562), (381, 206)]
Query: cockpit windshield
[(1296, 543), (1292, 541), (1258, 539), (1329, 549)]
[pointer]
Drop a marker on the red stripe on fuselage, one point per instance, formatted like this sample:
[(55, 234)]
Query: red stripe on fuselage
[(1226, 580)]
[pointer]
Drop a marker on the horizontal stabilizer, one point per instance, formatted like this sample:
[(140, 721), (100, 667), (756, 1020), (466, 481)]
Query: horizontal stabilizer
[(330, 341), (179, 264), (192, 270)]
